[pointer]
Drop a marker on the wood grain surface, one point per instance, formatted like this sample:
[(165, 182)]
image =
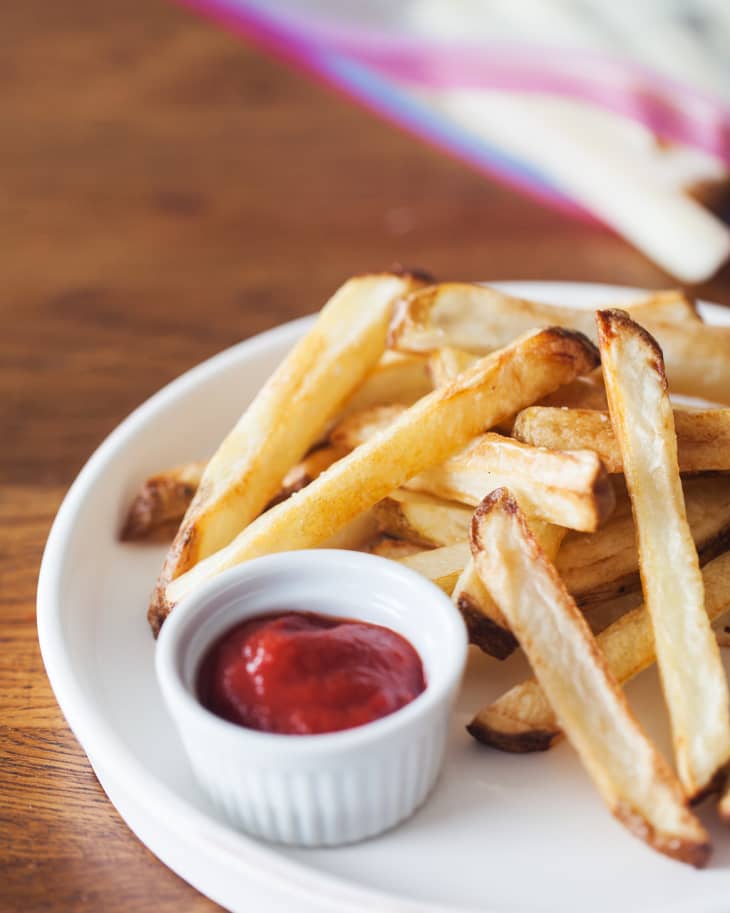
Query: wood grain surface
[(166, 192)]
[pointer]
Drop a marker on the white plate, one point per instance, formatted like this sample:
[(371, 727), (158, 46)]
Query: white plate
[(501, 833)]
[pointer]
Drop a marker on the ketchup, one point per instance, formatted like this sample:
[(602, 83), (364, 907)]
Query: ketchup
[(304, 673)]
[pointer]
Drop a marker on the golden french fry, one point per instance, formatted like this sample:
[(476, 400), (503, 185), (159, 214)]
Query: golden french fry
[(582, 393), (162, 501), (421, 518), (360, 426), (703, 437), (425, 434), (399, 377), (480, 319), (356, 535), (487, 626), (442, 565), (697, 359), (602, 566), (287, 416), (635, 782), (571, 489), (395, 549), (447, 363), (522, 720), (691, 671), (567, 488), (307, 470)]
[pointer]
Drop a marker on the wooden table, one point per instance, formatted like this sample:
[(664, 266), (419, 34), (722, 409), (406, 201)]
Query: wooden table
[(168, 191)]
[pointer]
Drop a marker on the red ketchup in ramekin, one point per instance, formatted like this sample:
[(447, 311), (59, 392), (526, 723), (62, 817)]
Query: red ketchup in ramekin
[(301, 673)]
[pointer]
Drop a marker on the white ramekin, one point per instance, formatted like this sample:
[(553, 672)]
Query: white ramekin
[(335, 788)]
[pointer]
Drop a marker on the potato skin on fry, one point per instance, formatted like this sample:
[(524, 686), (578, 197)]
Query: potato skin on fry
[(522, 716), (693, 680), (634, 780), (324, 367), (484, 632), (703, 436), (161, 502), (424, 435)]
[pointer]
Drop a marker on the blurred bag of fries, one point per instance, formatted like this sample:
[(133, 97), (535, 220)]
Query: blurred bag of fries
[(406, 406), (614, 111)]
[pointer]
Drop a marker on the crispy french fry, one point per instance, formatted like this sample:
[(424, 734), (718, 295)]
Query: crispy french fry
[(605, 565), (697, 359), (442, 565), (487, 626), (395, 549), (311, 384), (424, 435), (447, 363), (162, 501), (703, 437), (360, 426), (307, 470), (582, 393), (421, 518), (522, 719), (398, 377), (691, 671), (355, 535), (568, 488), (635, 782), (479, 319)]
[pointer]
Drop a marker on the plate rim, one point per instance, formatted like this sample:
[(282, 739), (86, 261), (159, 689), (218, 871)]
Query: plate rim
[(262, 863)]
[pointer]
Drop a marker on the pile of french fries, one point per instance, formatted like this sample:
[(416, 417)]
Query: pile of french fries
[(528, 460)]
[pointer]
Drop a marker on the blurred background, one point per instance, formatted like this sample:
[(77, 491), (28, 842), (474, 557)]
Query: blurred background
[(177, 177)]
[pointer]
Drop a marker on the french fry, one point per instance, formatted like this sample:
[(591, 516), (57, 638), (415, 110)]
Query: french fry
[(697, 359), (398, 377), (690, 668), (360, 426), (307, 470), (395, 549), (421, 518), (447, 363), (355, 535), (162, 501), (308, 388), (485, 622), (571, 489), (522, 719), (442, 566), (582, 393), (479, 319), (567, 488), (424, 435), (605, 565), (635, 782), (703, 437)]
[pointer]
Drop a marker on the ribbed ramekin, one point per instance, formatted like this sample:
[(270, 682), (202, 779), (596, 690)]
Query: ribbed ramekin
[(335, 788)]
